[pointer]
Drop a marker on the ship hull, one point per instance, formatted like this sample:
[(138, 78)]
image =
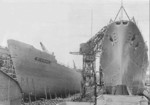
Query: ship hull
[(39, 74), (124, 56), (10, 91)]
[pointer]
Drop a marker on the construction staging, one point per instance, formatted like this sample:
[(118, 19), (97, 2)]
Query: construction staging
[(29, 76)]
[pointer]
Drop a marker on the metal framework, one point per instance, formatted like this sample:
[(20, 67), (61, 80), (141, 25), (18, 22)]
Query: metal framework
[(89, 50)]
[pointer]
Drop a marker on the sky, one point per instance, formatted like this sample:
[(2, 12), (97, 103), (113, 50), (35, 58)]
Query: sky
[(62, 25)]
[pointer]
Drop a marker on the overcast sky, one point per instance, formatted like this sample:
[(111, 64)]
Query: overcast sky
[(62, 25)]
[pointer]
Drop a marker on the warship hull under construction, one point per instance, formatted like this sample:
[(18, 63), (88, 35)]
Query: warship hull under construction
[(39, 74), (124, 58)]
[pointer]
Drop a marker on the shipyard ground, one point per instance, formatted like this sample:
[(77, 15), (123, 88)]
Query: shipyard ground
[(101, 100)]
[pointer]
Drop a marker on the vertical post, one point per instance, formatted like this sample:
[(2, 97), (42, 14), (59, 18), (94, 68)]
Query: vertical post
[(65, 92), (49, 94), (83, 78), (91, 21), (149, 48), (8, 90), (29, 99), (95, 81), (55, 95), (34, 89), (122, 9), (45, 93), (23, 98), (100, 76), (29, 91)]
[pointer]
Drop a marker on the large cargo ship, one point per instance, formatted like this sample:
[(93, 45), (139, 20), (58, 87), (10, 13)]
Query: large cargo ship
[(39, 74)]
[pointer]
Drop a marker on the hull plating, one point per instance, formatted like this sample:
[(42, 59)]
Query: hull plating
[(39, 74), (124, 56)]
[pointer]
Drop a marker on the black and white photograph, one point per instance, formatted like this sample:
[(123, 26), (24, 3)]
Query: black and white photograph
[(74, 52)]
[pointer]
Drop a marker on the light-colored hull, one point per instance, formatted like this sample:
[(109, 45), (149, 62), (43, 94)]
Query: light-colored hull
[(39, 74), (124, 56), (10, 91)]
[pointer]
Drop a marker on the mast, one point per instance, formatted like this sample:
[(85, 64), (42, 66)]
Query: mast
[(149, 47), (121, 10), (91, 21)]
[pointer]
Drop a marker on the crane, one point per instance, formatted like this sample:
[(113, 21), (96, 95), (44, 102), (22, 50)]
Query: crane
[(89, 50)]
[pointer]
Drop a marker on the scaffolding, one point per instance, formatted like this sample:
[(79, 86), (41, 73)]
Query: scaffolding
[(6, 63)]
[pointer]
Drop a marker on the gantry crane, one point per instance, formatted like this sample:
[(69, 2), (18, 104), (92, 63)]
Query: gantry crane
[(89, 51)]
